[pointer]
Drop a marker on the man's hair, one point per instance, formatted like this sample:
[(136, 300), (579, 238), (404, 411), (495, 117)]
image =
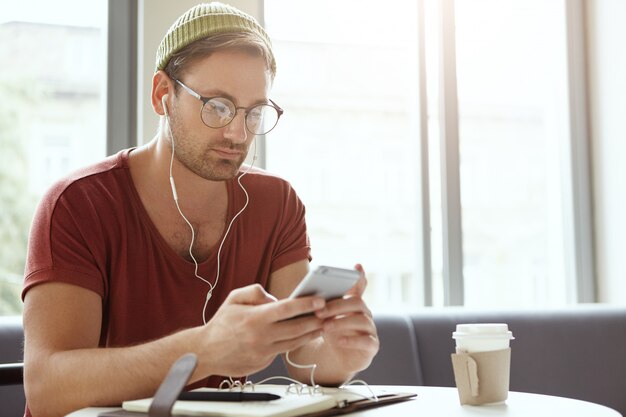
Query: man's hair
[(200, 49)]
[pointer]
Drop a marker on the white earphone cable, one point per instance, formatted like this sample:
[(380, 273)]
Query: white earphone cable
[(193, 234), (219, 250)]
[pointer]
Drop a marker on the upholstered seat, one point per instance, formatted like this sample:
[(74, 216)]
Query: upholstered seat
[(575, 352), (11, 374)]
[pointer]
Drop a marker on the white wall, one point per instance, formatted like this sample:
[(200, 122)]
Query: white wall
[(607, 93), (155, 18)]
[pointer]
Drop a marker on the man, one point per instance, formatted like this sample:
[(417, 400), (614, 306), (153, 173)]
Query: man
[(174, 247)]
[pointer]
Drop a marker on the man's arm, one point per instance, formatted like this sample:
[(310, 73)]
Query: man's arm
[(65, 370), (349, 340)]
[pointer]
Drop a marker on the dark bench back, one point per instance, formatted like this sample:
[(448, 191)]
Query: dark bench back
[(12, 400), (575, 352)]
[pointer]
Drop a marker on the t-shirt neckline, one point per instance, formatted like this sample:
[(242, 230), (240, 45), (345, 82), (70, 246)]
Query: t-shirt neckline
[(154, 231)]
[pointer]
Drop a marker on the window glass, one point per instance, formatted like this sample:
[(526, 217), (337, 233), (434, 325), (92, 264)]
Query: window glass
[(349, 139), (52, 113), (512, 102)]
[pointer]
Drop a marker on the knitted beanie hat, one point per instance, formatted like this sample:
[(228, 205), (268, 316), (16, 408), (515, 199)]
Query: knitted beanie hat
[(204, 20)]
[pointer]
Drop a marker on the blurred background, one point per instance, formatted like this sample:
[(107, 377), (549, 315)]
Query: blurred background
[(466, 152)]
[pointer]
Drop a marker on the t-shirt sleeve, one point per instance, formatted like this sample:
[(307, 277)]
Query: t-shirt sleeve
[(293, 241), (61, 244)]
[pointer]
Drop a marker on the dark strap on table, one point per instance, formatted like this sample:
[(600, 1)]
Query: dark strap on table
[(172, 386), (168, 392)]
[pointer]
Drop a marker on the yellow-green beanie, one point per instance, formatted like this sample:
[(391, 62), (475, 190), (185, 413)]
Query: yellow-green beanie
[(204, 20)]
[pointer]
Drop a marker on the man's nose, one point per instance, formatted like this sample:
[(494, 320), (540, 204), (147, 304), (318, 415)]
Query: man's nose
[(236, 129)]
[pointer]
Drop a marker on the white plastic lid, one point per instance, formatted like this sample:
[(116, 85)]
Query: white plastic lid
[(483, 330)]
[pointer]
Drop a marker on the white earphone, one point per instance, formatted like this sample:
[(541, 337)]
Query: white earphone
[(167, 120), (193, 233), (164, 102)]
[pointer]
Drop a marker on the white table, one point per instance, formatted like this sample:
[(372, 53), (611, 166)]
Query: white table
[(444, 402)]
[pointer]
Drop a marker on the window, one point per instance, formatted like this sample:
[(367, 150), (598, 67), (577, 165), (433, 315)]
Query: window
[(349, 139), (52, 113), (512, 128), (350, 144)]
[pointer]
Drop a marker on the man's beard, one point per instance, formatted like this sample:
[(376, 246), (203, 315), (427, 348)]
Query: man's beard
[(209, 166), (193, 153)]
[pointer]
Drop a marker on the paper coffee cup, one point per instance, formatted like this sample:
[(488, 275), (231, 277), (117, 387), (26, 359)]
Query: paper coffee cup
[(482, 337), (481, 363)]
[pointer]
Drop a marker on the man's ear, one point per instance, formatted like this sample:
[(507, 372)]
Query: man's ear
[(161, 87)]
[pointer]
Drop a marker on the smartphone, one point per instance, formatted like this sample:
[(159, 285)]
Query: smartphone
[(327, 282)]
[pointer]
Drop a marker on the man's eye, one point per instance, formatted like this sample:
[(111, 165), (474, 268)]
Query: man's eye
[(219, 108), (255, 114)]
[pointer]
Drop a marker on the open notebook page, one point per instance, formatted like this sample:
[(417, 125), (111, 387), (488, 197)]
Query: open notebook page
[(289, 405)]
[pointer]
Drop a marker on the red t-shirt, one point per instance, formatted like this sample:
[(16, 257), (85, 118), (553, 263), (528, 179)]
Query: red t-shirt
[(92, 230)]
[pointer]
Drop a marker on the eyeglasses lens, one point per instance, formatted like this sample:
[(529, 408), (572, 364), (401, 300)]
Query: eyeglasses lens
[(218, 112)]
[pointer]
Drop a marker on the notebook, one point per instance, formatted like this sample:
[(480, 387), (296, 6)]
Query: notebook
[(330, 402)]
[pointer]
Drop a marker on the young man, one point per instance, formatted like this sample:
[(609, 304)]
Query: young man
[(175, 247)]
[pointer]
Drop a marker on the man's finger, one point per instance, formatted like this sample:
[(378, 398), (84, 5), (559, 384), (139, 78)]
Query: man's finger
[(251, 294), (288, 308), (359, 288), (354, 323), (346, 305)]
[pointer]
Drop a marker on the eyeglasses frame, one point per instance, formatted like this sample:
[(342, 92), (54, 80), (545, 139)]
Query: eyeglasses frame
[(205, 100)]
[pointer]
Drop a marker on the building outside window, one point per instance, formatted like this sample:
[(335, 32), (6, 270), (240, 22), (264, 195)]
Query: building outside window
[(52, 114)]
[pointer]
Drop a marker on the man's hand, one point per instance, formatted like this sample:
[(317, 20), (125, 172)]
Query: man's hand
[(349, 341), (250, 328), (349, 330)]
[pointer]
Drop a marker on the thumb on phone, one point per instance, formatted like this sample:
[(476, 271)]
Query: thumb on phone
[(359, 288)]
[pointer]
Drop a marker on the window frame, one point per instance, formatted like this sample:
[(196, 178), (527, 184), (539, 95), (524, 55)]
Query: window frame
[(122, 77), (575, 177)]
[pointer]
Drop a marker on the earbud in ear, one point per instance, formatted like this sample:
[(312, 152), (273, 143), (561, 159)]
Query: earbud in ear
[(164, 102)]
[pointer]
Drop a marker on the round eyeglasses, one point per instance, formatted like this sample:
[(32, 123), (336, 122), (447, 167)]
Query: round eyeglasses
[(218, 112)]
